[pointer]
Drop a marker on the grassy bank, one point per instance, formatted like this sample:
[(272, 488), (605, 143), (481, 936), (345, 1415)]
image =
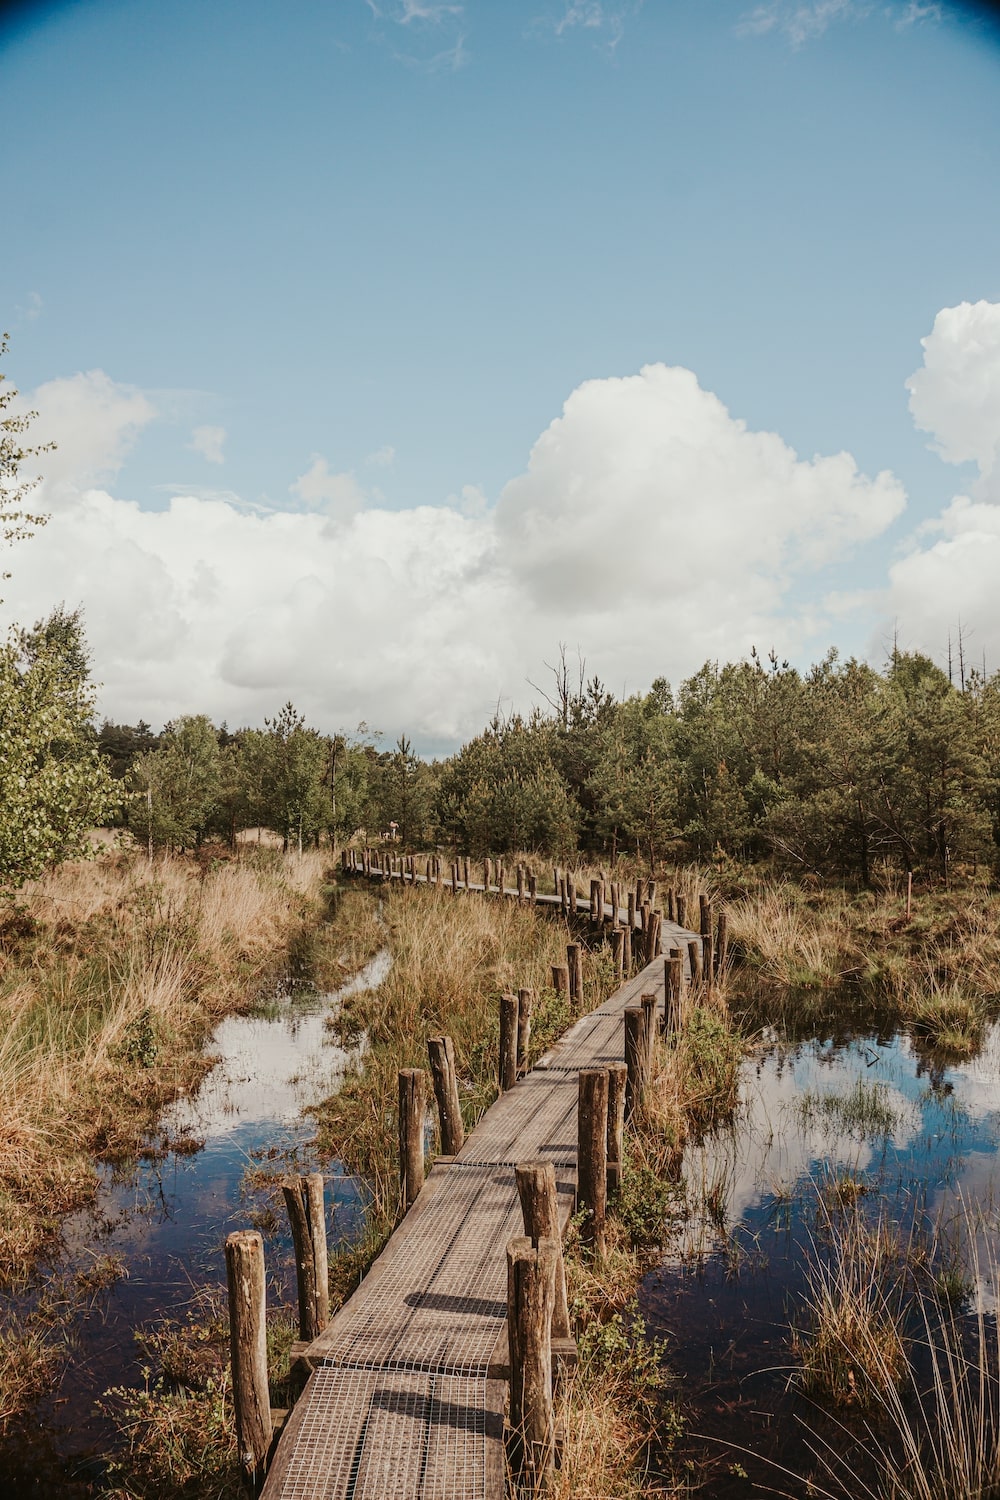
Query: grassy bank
[(113, 974), (935, 973)]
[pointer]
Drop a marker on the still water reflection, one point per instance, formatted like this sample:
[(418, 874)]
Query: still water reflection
[(921, 1141)]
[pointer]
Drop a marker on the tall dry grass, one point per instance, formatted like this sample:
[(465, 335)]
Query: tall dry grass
[(452, 958), (112, 972)]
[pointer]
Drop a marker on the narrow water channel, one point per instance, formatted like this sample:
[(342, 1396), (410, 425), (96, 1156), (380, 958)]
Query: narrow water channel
[(162, 1224), (829, 1127)]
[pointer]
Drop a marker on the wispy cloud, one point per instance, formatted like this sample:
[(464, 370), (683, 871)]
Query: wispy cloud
[(603, 20), (799, 22), (450, 60), (30, 309), (209, 442), (382, 458), (405, 11), (802, 21)]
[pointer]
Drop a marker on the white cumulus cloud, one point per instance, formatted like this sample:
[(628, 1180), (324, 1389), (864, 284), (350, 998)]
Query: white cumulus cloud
[(650, 526), (951, 571)]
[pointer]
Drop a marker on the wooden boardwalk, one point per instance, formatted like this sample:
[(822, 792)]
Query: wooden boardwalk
[(406, 1399)]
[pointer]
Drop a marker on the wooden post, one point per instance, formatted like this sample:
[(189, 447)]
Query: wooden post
[(681, 911), (651, 892), (531, 1277), (536, 1188), (525, 1001), (653, 935), (616, 901), (533, 889), (627, 950), (412, 1109), (441, 1052), (694, 959), (555, 880), (508, 1042), (617, 1084), (631, 910), (574, 958), (500, 876), (640, 892), (674, 975), (592, 1156), (572, 892), (520, 882), (722, 940), (671, 909), (486, 875), (706, 936), (248, 1352), (595, 896), (307, 1216), (563, 897), (560, 979), (636, 1065), (648, 1003), (618, 952)]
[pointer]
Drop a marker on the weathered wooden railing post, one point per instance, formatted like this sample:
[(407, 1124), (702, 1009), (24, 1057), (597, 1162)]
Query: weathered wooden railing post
[(248, 1352), (706, 925), (694, 960), (441, 1052), (574, 962), (618, 952), (617, 1086), (673, 973), (520, 882), (648, 1003), (525, 1003), (671, 908), (563, 896), (509, 1008), (627, 951), (721, 942), (592, 1156), (486, 876), (531, 1276), (636, 1059), (412, 1111), (572, 892), (500, 876), (681, 911), (533, 888), (536, 1188), (560, 979), (307, 1216)]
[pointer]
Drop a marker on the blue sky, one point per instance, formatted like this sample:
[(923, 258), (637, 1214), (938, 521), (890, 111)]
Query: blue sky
[(286, 275)]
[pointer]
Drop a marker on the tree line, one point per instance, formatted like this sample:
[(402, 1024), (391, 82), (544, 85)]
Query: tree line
[(835, 770)]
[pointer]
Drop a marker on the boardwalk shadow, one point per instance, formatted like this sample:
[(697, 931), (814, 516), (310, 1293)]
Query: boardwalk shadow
[(471, 1417), (478, 1307)]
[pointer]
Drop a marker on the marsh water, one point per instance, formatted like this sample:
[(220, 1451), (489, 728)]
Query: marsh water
[(154, 1239), (842, 1122)]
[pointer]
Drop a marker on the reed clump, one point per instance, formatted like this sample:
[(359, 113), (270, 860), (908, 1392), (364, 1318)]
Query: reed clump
[(620, 1395)]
